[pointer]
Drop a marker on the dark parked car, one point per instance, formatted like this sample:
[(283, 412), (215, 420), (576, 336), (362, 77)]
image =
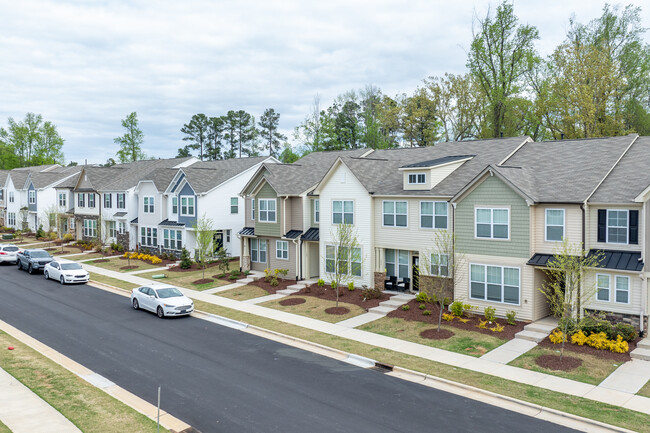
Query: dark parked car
[(33, 260)]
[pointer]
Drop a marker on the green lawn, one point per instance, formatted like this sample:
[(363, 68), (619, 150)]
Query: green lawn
[(463, 341), (4, 428), (593, 369), (66, 250), (86, 256), (117, 263), (243, 293), (112, 281), (645, 391), (315, 308), (88, 407), (186, 279)]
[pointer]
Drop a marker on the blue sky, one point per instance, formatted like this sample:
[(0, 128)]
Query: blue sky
[(85, 65)]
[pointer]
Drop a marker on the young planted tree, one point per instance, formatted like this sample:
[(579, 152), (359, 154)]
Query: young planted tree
[(131, 142), (342, 257), (567, 289), (204, 231)]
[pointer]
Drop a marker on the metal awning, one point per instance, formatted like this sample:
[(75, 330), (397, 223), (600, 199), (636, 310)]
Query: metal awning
[(292, 234), (311, 235), (620, 260), (168, 223), (247, 231)]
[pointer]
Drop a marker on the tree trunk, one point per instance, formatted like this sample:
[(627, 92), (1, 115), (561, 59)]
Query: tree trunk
[(442, 305)]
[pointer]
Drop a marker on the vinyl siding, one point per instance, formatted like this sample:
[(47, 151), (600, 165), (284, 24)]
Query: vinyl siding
[(248, 222), (190, 221), (592, 230), (493, 192), (646, 216), (272, 262), (572, 228), (295, 208), (263, 228), (540, 302), (634, 307)]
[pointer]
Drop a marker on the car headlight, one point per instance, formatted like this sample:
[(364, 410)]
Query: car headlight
[(168, 305)]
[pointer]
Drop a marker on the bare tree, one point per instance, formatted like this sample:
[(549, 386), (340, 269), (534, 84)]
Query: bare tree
[(204, 232), (342, 257)]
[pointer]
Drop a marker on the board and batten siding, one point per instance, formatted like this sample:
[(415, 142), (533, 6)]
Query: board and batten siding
[(634, 307), (492, 192), (592, 229), (265, 228), (342, 185), (572, 228)]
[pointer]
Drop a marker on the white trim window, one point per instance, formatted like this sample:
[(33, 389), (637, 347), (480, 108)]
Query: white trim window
[(112, 232), (397, 263), (603, 286), (32, 196), (617, 226), (121, 200), (11, 196), (622, 294), (492, 223), (494, 283), (439, 265), (187, 205), (433, 214), (253, 209), (11, 218), (149, 204), (267, 210), (228, 236), (63, 199), (349, 260), (554, 225), (234, 205), (395, 213), (72, 223), (90, 228), (258, 250), (282, 250), (81, 199), (174, 205), (342, 212), (108, 200), (91, 200), (121, 227), (149, 236), (317, 211), (417, 178), (172, 239)]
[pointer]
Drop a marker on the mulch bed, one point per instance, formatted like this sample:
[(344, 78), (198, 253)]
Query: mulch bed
[(553, 362), (226, 277), (349, 297), (415, 314), (203, 281), (127, 268), (282, 284), (434, 334), (194, 267), (292, 301), (337, 311), (606, 354), (164, 262), (100, 261)]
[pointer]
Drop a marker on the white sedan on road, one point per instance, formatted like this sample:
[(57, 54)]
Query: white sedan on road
[(8, 254), (65, 271), (161, 299)]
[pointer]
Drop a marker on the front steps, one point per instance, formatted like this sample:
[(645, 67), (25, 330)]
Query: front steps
[(538, 330), (642, 350), (392, 304)]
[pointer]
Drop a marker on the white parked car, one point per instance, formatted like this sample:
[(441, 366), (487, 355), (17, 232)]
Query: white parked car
[(66, 272), (161, 299), (9, 253)]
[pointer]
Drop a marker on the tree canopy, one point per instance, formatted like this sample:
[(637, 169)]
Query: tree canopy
[(131, 142), (30, 141)]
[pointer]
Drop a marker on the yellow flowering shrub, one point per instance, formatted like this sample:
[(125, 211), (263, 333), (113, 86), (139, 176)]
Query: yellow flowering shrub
[(482, 324), (125, 255), (557, 337), (155, 260), (598, 341), (497, 328), (448, 317), (619, 345), (579, 338)]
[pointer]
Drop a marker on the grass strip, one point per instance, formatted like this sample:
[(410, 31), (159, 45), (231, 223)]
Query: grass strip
[(4, 428), (112, 281), (243, 293), (645, 391), (87, 407)]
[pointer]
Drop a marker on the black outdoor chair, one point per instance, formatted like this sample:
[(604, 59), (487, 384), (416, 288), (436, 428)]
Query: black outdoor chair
[(404, 285), (391, 283)]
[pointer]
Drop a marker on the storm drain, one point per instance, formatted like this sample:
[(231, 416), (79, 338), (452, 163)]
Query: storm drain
[(382, 368)]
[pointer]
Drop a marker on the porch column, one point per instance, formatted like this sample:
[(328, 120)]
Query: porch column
[(380, 271), (245, 261)]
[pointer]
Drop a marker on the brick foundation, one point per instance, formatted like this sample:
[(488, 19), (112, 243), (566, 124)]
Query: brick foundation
[(245, 263), (380, 279), (632, 319), (123, 240)]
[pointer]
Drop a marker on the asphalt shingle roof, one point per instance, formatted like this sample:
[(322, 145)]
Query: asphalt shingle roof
[(206, 175), (438, 161)]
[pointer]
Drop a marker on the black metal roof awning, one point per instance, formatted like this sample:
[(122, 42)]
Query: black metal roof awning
[(611, 259), (292, 234), (540, 260), (247, 231), (311, 235), (134, 220), (168, 223)]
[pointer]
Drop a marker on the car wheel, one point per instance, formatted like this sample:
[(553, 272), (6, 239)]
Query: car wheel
[(62, 280), (30, 269), (20, 266), (136, 304), (160, 312), (46, 275)]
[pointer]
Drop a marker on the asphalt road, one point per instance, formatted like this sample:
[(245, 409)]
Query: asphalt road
[(222, 380)]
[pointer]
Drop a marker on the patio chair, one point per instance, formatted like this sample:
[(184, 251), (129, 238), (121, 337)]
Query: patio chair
[(404, 285), (391, 283)]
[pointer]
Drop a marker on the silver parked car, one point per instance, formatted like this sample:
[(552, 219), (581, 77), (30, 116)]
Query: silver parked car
[(33, 260)]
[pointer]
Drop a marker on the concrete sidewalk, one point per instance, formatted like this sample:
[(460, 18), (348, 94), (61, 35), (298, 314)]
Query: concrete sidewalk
[(495, 367), (25, 412)]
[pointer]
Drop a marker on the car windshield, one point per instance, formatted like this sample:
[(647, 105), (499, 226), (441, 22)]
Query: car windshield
[(40, 254), (10, 249), (169, 292), (70, 266)]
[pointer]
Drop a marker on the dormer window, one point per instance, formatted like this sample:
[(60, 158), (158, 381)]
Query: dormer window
[(417, 178)]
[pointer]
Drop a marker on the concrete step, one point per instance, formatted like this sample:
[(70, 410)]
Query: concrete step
[(531, 335), (644, 344), (638, 353), (287, 291), (540, 328), (380, 310), (296, 287), (391, 304), (246, 280), (402, 298)]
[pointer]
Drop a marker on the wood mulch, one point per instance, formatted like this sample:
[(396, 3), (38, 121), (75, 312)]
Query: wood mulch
[(128, 268), (292, 301), (203, 281), (350, 297), (415, 314), (434, 334), (282, 284), (194, 267), (606, 354), (337, 311), (553, 362), (164, 262), (100, 261)]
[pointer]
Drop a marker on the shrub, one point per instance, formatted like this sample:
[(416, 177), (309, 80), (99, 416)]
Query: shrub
[(510, 317), (274, 281), (489, 313), (267, 275), (624, 330), (405, 307), (482, 324), (426, 313), (235, 272), (351, 286), (283, 273), (557, 337), (497, 328), (591, 324), (320, 282), (447, 317), (468, 308), (334, 285), (456, 308), (422, 306), (68, 237), (598, 341), (40, 233), (155, 260), (571, 325), (186, 260), (579, 338), (371, 293), (619, 345), (462, 320), (422, 297), (233, 277)]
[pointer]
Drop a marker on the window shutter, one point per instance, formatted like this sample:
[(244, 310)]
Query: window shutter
[(634, 227), (602, 225)]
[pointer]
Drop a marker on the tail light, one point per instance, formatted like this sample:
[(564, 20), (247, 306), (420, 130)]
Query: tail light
[(2, 253)]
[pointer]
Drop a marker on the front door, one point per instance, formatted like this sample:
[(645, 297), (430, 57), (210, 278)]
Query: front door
[(416, 273), (217, 241)]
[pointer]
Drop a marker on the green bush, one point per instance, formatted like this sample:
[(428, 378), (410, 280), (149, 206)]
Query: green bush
[(235, 273), (351, 286), (274, 282), (186, 260), (422, 297), (591, 324), (456, 308), (510, 317), (68, 237), (422, 306), (490, 314), (320, 282), (40, 233), (283, 273), (370, 293), (625, 330), (405, 307), (426, 313), (571, 325)]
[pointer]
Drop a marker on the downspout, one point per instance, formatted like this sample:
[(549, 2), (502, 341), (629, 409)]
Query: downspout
[(298, 257), (644, 303), (583, 208)]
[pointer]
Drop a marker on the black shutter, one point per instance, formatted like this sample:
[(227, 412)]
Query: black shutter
[(602, 225), (634, 227)]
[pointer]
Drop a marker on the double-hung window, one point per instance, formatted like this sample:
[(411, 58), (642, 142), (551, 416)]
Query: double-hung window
[(494, 283), (282, 250), (317, 211), (172, 239), (397, 263), (617, 226), (433, 214), (63, 199), (149, 236), (253, 209), (11, 196), (622, 295), (603, 286), (417, 178), (554, 225), (492, 223), (90, 228), (439, 265), (187, 206), (121, 227), (267, 212), (11, 216), (234, 205), (148, 204), (112, 232), (108, 200), (347, 259), (91, 200), (258, 251), (32, 196), (81, 199), (621, 288), (121, 200), (342, 212), (395, 213), (174, 205)]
